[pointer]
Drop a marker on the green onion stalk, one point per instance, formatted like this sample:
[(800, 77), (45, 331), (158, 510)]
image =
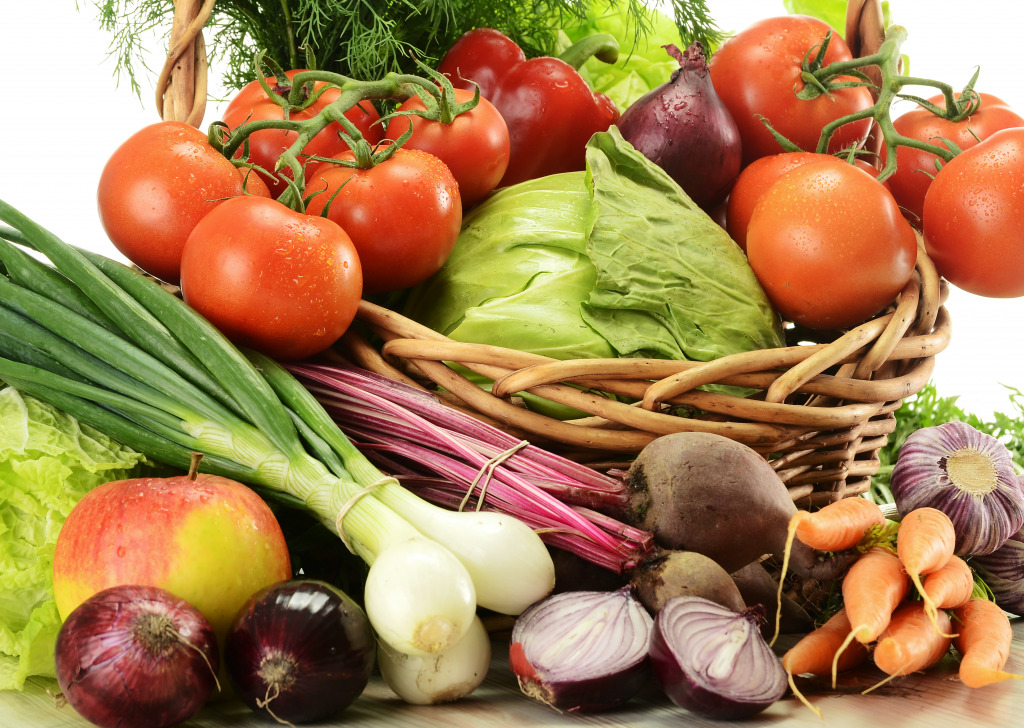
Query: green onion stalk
[(113, 348)]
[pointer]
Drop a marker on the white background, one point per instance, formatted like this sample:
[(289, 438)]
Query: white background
[(62, 113)]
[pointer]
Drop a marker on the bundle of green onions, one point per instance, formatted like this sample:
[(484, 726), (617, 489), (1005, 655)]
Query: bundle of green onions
[(114, 349)]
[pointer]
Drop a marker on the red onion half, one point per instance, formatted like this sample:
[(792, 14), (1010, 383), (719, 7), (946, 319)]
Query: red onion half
[(582, 651), (684, 128), (967, 475), (136, 656), (300, 651), (713, 661)]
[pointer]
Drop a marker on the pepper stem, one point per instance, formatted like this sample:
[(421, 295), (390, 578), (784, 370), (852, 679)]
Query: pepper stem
[(601, 46)]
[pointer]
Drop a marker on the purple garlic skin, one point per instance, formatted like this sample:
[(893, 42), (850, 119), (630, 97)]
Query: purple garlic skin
[(1003, 572), (967, 475)]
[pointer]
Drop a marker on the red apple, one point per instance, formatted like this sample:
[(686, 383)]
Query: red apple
[(209, 540)]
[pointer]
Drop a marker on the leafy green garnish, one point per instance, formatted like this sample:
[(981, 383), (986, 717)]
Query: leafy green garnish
[(364, 39), (928, 409)]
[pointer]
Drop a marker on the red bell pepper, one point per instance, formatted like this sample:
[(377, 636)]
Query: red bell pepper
[(550, 110)]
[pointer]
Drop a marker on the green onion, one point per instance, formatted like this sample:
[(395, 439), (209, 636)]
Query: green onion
[(141, 366)]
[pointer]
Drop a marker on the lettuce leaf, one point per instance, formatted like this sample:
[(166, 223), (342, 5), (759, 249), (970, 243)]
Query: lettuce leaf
[(48, 461)]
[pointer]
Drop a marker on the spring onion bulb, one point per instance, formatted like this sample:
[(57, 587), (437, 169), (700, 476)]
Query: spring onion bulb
[(441, 678), (411, 601), (141, 366)]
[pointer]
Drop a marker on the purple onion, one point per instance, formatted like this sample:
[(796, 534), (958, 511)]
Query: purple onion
[(300, 651), (967, 475), (684, 128), (713, 661), (1003, 572), (583, 651), (136, 656)]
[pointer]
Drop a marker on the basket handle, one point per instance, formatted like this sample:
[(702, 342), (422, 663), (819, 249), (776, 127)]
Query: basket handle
[(864, 33), (181, 89)]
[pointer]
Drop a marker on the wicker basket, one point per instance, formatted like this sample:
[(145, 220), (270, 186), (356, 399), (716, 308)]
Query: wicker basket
[(819, 414), (821, 410)]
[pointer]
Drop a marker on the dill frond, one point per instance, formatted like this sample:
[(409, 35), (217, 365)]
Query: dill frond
[(364, 39)]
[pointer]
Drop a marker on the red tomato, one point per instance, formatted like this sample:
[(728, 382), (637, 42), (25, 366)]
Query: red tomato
[(755, 178), (829, 245), (757, 73), (272, 279), (915, 168), (475, 146), (404, 215), (251, 103), (157, 185), (759, 175), (974, 217)]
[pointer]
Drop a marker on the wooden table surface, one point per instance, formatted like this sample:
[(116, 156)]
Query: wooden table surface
[(935, 699)]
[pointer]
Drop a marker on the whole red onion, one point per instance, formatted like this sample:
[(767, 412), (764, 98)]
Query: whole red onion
[(136, 656), (684, 128), (300, 651)]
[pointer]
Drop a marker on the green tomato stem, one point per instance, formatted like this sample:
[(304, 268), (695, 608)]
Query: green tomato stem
[(887, 59)]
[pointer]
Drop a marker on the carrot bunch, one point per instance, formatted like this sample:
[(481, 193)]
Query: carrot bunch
[(904, 630)]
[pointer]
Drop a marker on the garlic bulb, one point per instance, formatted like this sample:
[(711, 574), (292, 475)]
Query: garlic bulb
[(966, 474)]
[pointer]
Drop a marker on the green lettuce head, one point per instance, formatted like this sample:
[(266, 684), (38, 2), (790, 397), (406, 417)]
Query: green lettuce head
[(615, 261)]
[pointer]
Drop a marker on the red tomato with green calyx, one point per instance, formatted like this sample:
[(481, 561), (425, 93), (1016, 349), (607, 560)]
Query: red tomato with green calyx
[(475, 145), (974, 217), (272, 279), (251, 103), (757, 73), (403, 214), (915, 168), (157, 186), (829, 246)]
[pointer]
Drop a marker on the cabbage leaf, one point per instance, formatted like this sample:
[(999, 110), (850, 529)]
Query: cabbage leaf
[(613, 261), (48, 461)]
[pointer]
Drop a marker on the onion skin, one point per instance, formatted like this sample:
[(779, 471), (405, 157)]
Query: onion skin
[(699, 650), (684, 128), (1003, 572), (582, 651), (136, 656), (300, 651), (967, 475)]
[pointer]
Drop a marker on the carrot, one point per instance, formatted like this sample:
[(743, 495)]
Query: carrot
[(872, 588), (983, 643), (838, 526), (950, 586), (815, 654), (924, 544), (911, 642)]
